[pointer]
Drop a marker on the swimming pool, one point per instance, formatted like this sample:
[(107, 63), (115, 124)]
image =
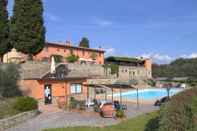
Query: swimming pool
[(148, 94)]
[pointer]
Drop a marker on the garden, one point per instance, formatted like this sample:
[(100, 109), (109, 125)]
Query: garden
[(178, 114), (11, 100)]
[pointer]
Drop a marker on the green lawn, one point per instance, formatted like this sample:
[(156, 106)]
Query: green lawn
[(6, 108), (136, 124)]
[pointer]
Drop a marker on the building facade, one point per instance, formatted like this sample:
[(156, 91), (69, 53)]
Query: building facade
[(85, 54), (38, 82), (131, 68)]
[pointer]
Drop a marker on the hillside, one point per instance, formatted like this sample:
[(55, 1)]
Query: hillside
[(178, 68)]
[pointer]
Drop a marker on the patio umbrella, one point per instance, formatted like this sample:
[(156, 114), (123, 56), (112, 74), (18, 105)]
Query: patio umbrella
[(52, 65)]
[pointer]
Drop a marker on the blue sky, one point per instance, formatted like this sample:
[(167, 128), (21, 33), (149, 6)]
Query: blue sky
[(160, 29)]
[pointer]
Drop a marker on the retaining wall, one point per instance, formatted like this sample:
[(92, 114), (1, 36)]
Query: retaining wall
[(17, 119)]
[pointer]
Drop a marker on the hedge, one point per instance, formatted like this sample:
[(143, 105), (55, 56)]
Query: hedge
[(180, 114), (23, 104)]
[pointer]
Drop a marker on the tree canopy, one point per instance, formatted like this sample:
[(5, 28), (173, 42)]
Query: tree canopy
[(4, 28), (178, 68), (9, 76), (84, 42), (27, 29)]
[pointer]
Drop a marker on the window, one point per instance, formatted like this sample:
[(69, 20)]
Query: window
[(76, 88)]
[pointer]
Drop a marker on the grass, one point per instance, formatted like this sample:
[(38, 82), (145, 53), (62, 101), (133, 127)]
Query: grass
[(136, 124), (6, 108)]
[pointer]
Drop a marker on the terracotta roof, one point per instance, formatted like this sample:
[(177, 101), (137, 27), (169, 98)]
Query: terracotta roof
[(74, 47), (33, 70), (38, 71), (123, 59)]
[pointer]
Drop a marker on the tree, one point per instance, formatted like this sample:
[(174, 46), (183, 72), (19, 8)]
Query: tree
[(72, 58), (178, 68), (84, 42), (27, 27), (9, 76), (4, 29)]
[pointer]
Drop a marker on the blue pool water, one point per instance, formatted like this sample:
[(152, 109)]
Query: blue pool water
[(149, 94)]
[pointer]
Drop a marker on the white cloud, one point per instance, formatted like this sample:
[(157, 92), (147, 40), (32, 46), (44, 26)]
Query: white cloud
[(192, 55), (102, 22), (110, 51), (164, 58), (52, 17), (158, 58)]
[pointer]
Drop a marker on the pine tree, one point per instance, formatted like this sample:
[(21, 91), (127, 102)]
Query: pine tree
[(4, 29), (27, 29), (84, 42)]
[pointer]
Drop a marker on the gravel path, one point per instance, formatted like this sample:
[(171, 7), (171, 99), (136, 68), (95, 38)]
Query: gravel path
[(64, 119)]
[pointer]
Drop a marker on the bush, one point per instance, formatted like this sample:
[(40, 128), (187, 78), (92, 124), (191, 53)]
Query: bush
[(73, 103), (72, 58), (152, 125), (96, 106), (81, 105), (25, 104), (9, 76), (151, 82), (120, 113), (180, 113)]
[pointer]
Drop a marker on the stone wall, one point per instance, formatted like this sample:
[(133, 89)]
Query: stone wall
[(17, 119), (90, 69), (129, 72)]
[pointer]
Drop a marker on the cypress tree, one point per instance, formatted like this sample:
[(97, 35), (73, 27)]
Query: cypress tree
[(84, 42), (4, 29), (27, 27)]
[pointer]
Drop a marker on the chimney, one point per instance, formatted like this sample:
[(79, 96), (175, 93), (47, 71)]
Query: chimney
[(68, 43)]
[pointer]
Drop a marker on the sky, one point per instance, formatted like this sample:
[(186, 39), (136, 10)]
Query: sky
[(160, 29)]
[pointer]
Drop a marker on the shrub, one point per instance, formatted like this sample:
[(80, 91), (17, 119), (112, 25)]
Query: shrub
[(114, 68), (96, 106), (9, 76), (153, 124), (73, 103), (151, 82), (81, 105), (25, 104), (180, 113), (72, 58), (120, 113)]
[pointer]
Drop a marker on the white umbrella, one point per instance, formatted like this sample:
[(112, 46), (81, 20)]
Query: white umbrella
[(52, 65)]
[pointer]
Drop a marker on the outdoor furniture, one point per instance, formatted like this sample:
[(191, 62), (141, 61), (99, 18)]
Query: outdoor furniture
[(89, 103), (119, 106), (107, 110)]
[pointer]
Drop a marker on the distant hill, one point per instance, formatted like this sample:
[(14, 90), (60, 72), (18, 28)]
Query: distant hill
[(178, 68)]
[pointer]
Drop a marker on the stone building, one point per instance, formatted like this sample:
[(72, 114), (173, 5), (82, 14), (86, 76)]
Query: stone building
[(86, 55), (131, 68)]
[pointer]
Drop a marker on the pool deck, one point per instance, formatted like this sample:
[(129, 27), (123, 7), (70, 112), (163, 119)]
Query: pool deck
[(59, 118)]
